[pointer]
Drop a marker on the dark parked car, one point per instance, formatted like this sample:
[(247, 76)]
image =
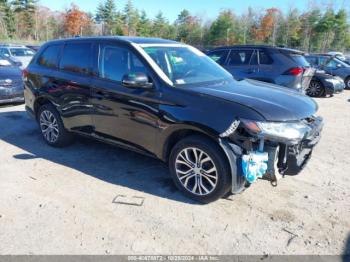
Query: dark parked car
[(170, 101), (33, 47), (323, 84), (331, 65), (277, 65), (11, 84)]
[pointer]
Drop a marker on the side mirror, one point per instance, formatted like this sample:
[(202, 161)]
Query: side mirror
[(339, 66), (136, 80), (6, 55)]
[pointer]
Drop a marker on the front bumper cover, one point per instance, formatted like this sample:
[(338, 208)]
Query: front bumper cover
[(284, 159)]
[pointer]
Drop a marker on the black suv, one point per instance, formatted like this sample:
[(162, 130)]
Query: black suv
[(170, 101), (277, 65)]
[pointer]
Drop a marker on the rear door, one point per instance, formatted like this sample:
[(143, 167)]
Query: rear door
[(241, 63), (267, 70), (70, 85)]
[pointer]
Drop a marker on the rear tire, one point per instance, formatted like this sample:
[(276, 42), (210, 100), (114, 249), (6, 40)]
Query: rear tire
[(315, 89), (200, 169), (52, 128)]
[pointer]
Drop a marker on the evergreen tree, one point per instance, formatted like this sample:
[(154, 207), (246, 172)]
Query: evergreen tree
[(25, 10), (7, 18)]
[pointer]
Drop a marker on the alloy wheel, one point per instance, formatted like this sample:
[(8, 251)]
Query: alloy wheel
[(49, 126), (196, 171), (315, 89)]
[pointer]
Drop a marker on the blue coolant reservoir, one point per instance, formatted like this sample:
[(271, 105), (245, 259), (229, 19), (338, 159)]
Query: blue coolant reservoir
[(254, 165)]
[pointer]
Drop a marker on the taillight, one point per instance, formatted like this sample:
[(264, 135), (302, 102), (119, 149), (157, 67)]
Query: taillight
[(294, 71), (25, 73)]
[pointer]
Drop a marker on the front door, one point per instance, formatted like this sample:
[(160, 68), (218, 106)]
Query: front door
[(122, 113)]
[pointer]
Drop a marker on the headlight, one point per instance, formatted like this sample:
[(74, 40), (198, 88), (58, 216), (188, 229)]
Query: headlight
[(278, 130), (332, 80)]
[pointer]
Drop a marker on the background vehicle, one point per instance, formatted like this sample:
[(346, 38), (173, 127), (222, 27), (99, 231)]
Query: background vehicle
[(281, 66), (338, 55), (163, 99), (17, 53), (323, 84), (11, 84), (35, 48), (331, 65)]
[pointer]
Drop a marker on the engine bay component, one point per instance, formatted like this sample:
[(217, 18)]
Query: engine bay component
[(254, 165)]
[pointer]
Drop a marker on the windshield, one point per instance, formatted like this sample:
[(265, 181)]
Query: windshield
[(333, 62), (185, 65), (21, 52)]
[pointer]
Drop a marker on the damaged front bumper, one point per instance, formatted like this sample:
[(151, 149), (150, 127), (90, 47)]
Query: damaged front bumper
[(285, 156)]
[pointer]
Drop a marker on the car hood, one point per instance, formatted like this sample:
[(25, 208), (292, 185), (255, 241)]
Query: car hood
[(11, 72), (273, 102)]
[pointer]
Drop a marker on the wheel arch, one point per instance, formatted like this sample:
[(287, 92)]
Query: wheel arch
[(171, 137), (40, 101)]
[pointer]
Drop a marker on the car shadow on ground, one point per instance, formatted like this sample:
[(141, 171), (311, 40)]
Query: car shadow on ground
[(110, 164)]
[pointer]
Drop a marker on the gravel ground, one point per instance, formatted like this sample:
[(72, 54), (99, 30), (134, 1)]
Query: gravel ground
[(63, 201)]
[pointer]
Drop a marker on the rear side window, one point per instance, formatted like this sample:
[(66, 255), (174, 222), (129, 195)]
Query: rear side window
[(76, 58), (300, 60), (312, 60), (49, 58), (240, 57), (219, 56), (264, 58)]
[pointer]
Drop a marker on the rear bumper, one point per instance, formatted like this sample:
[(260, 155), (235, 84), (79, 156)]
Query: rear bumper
[(12, 99), (11, 94)]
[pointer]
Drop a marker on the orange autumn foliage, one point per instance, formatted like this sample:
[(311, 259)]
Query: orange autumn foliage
[(267, 24), (75, 20)]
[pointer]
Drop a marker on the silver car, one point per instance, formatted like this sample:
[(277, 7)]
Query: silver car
[(20, 55)]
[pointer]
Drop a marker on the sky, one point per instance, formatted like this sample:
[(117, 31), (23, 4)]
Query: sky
[(207, 8)]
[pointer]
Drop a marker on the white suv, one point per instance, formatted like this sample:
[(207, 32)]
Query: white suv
[(18, 54)]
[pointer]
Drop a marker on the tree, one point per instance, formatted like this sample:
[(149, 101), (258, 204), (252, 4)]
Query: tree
[(341, 32), (161, 27), (107, 15), (25, 11), (131, 18), (268, 26), (7, 19), (221, 31), (144, 25), (75, 21), (188, 28), (309, 21)]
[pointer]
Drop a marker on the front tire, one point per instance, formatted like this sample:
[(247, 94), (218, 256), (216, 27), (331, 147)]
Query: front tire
[(200, 169), (316, 89), (52, 128), (347, 82)]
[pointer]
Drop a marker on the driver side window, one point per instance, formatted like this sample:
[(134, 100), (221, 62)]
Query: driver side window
[(331, 64), (115, 62)]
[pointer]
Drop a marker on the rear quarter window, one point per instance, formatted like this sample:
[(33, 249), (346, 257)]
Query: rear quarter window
[(77, 58), (49, 57), (265, 58), (300, 60)]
